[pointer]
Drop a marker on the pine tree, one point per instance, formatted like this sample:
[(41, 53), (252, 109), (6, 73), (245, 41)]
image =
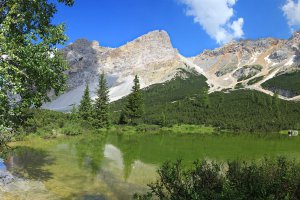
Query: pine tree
[(101, 115), (275, 100), (134, 109), (74, 112), (253, 97), (123, 117), (85, 107), (203, 100), (163, 120)]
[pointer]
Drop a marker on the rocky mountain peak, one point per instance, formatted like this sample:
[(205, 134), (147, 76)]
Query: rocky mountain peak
[(295, 39), (153, 58), (296, 34), (153, 47), (83, 45), (243, 46), (159, 37)]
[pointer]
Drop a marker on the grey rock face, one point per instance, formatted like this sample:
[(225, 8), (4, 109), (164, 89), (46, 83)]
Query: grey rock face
[(247, 72), (88, 59), (279, 56), (225, 70), (284, 93), (224, 66), (153, 58)]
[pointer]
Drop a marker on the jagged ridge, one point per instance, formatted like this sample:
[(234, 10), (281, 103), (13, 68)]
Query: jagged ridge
[(153, 58)]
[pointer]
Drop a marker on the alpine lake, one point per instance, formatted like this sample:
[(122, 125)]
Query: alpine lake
[(114, 166)]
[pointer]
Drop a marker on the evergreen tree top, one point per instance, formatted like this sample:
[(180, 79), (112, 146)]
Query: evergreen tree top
[(85, 106), (136, 85), (101, 115)]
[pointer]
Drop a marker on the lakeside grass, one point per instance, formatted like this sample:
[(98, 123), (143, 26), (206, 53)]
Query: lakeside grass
[(51, 132), (145, 129)]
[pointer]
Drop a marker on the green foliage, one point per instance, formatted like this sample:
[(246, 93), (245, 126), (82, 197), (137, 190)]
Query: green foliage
[(145, 128), (49, 124), (163, 120), (203, 98), (91, 148), (175, 89), (74, 113), (245, 77), (257, 67), (5, 137), (85, 108), (288, 82), (239, 86), (6, 113), (225, 70), (190, 129), (134, 109), (101, 115), (157, 96), (30, 65), (275, 100), (270, 179), (241, 110), (71, 129), (123, 118), (255, 80)]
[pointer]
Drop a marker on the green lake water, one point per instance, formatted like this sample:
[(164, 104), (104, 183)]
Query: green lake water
[(115, 167)]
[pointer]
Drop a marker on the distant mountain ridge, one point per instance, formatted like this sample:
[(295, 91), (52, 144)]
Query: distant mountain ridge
[(224, 66), (153, 58)]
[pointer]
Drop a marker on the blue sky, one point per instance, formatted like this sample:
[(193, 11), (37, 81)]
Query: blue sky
[(193, 25)]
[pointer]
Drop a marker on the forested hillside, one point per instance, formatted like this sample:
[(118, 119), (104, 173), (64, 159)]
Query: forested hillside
[(287, 84), (184, 100)]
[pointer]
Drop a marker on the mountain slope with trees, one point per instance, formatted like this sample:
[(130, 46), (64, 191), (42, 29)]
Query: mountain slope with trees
[(184, 100), (286, 84)]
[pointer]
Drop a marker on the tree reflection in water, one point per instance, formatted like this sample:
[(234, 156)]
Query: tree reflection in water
[(90, 153), (30, 163)]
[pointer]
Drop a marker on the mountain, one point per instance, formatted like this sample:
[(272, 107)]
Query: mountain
[(242, 64), (185, 101), (150, 56), (239, 62)]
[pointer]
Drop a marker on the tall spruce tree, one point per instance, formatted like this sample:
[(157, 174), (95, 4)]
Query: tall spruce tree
[(134, 109), (85, 107), (101, 115)]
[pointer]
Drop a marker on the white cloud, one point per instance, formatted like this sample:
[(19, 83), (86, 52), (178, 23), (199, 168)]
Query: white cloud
[(291, 11), (215, 16), (237, 27)]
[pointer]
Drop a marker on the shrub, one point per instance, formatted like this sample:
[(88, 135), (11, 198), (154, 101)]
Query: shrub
[(147, 128), (255, 80), (72, 129), (5, 137), (51, 124), (270, 179)]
